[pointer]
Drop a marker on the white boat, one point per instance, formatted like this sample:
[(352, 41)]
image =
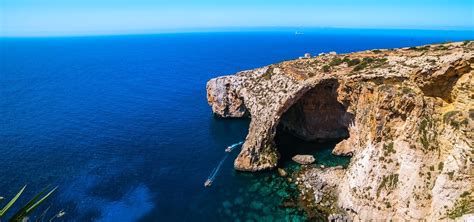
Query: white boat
[(232, 147), (208, 183)]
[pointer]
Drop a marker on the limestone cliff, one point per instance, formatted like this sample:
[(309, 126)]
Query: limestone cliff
[(406, 116)]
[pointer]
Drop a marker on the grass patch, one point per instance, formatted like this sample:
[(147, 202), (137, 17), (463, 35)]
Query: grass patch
[(388, 182)]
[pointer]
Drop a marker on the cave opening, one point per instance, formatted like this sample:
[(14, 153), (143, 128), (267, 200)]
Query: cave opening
[(313, 125)]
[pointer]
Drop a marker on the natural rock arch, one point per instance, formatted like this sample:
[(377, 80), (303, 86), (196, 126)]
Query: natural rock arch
[(311, 113), (317, 114)]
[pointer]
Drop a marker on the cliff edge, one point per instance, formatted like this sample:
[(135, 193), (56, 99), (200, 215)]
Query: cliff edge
[(405, 116)]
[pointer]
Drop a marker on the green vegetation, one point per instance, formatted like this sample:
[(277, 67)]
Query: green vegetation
[(385, 87), (407, 90), (367, 60), (377, 62), (440, 166), (421, 48), (450, 119), (360, 66), (376, 51), (29, 207), (451, 175), (388, 149), (464, 205), (441, 47), (427, 139), (388, 182), (465, 194), (268, 74), (335, 61), (326, 68), (447, 116), (466, 42), (353, 62), (422, 130)]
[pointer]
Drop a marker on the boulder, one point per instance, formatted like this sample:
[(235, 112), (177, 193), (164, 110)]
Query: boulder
[(304, 159), (282, 172)]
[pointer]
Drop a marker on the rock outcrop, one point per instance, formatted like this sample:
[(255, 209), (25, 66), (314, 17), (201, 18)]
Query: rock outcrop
[(406, 116), (223, 98), (304, 159)]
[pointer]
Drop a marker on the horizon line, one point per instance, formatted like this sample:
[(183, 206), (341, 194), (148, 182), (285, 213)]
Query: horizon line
[(235, 29)]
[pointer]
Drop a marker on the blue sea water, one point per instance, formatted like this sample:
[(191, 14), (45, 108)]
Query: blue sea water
[(121, 123)]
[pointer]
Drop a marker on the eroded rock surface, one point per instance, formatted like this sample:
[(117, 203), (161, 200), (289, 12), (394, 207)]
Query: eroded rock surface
[(406, 116), (223, 97), (304, 159)]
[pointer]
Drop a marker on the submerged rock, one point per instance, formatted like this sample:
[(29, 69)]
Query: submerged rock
[(227, 204), (254, 187), (256, 205), (304, 159), (265, 191), (238, 200), (282, 172)]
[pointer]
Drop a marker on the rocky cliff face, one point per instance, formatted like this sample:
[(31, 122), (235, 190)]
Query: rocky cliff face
[(406, 116)]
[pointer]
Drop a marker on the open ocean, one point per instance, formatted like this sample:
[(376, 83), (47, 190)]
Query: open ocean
[(121, 123)]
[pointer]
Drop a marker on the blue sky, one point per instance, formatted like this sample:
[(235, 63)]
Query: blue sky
[(86, 17)]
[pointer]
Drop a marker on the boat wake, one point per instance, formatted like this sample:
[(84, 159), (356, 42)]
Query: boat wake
[(214, 172)]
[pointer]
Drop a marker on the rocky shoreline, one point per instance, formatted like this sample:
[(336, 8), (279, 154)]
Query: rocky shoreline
[(405, 116)]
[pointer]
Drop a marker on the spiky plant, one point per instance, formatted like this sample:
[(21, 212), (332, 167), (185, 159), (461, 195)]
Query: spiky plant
[(27, 209)]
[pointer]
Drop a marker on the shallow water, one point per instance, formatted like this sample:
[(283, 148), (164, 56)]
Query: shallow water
[(122, 126)]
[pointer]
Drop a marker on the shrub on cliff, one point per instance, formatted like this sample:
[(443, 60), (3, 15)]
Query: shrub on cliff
[(360, 66), (353, 62), (335, 61), (326, 68)]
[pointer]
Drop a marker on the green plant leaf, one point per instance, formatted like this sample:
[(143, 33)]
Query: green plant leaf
[(29, 210), (32, 204), (12, 201)]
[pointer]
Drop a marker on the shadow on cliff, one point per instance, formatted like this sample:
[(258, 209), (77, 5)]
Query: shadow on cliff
[(316, 120)]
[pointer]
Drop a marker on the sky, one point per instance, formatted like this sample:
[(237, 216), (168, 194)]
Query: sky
[(96, 17)]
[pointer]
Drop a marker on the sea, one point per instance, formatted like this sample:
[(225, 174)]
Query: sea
[(121, 125)]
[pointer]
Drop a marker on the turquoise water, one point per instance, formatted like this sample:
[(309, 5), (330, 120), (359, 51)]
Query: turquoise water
[(121, 123)]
